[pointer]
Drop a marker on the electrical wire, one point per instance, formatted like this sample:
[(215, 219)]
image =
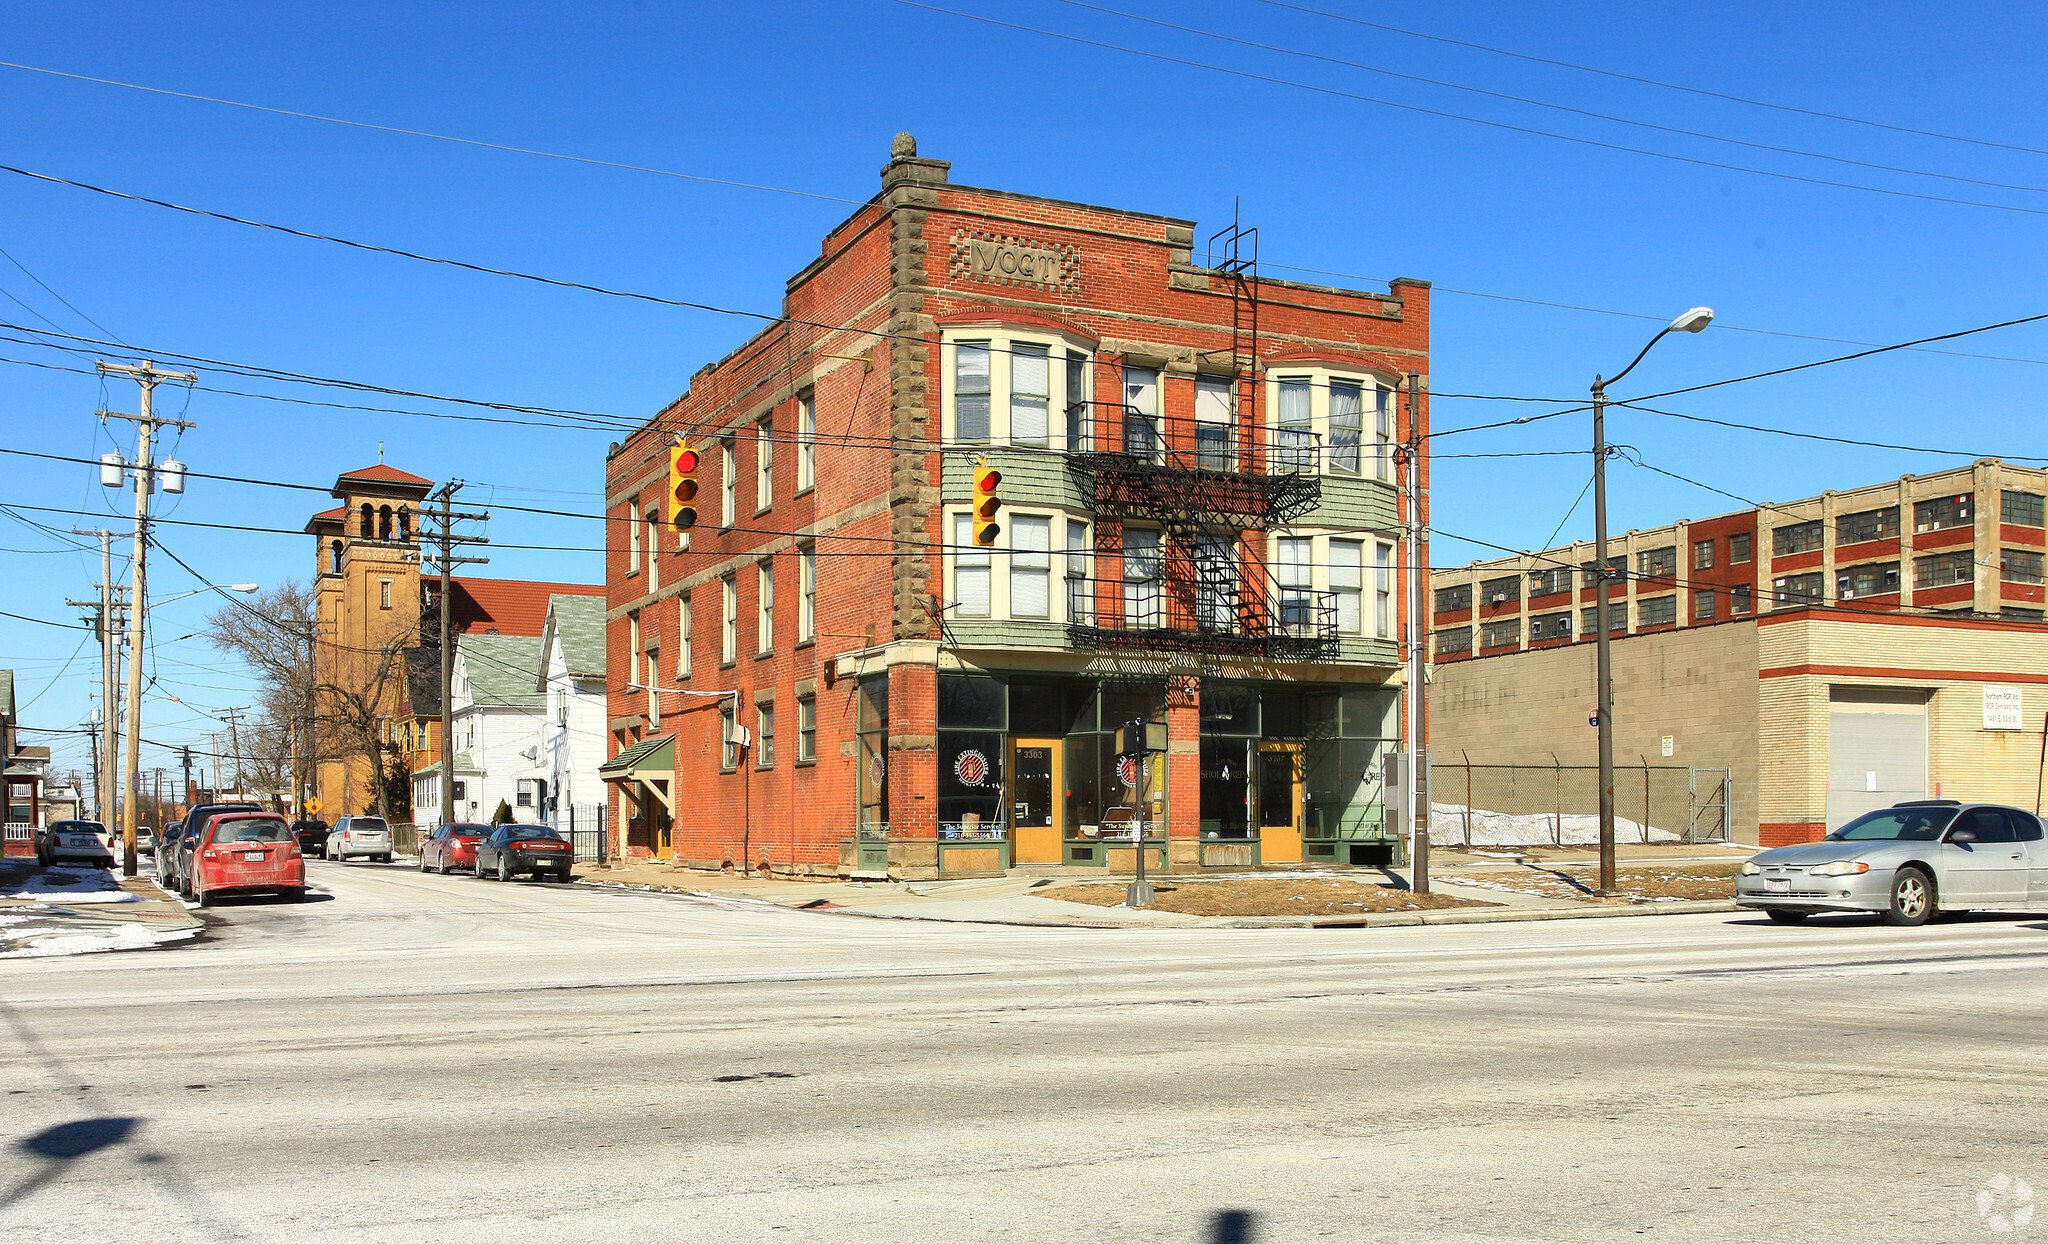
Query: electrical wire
[(1669, 86), (1555, 107), (1454, 116)]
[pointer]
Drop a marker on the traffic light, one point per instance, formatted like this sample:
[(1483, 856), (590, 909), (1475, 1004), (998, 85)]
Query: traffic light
[(986, 502), (682, 487)]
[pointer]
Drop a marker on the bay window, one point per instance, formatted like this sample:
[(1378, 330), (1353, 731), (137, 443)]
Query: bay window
[(971, 568), (1030, 566), (1000, 390)]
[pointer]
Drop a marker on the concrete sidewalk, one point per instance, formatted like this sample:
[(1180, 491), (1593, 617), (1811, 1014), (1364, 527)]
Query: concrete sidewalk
[(74, 909), (1031, 900)]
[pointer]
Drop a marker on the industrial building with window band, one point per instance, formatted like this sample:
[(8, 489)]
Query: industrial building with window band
[(840, 669), (1832, 654)]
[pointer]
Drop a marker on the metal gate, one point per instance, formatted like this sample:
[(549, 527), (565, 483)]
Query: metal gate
[(585, 829)]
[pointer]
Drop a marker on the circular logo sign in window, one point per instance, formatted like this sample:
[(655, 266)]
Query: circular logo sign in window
[(971, 767), (1127, 770)]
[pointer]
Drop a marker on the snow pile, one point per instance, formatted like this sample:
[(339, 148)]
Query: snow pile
[(1509, 829), (39, 943), (63, 884)]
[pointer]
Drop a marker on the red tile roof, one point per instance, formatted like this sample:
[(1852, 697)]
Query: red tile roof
[(388, 474), (507, 606), (337, 515)]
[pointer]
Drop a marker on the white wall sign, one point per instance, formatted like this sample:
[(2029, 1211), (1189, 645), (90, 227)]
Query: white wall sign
[(2002, 708), (1667, 745)]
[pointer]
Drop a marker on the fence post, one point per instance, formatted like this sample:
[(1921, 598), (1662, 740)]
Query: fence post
[(1646, 795), (1557, 804), (1468, 797)]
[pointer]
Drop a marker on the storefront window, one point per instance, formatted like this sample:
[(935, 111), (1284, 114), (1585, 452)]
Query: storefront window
[(971, 783), (1229, 708), (1226, 788), (1342, 787), (1036, 710), (970, 703), (872, 726)]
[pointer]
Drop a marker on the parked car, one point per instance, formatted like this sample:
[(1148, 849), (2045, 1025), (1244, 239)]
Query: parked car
[(145, 841), (172, 872), (311, 834), (164, 852), (515, 849), (1906, 863), (46, 836), (76, 842), (452, 846), (366, 836), (246, 853)]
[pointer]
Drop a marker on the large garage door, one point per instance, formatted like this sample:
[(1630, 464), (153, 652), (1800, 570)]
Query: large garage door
[(1877, 749)]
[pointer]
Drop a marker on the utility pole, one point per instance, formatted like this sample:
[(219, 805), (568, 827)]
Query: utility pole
[(92, 739), (105, 609), (148, 377), (445, 560), (189, 796), (233, 716), (1415, 791)]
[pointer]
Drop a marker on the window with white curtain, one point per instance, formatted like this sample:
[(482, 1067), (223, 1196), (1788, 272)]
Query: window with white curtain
[(683, 637), (970, 390), (1030, 394), (728, 484), (729, 628), (1030, 566), (1347, 426), (764, 606), (1080, 554), (971, 569), (1080, 417), (1383, 613), (1293, 576), (764, 464), (807, 593), (1214, 427), (1141, 576), (806, 441), (1347, 580), (1383, 432), (1141, 411), (1294, 435)]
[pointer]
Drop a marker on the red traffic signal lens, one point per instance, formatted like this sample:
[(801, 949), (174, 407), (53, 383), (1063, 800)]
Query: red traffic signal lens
[(986, 479), (683, 460)]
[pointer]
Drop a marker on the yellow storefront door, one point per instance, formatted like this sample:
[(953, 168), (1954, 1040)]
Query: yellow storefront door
[(1279, 800), (1037, 803)]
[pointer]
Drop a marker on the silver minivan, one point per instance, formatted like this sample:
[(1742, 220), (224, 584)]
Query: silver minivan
[(1906, 863), (366, 836)]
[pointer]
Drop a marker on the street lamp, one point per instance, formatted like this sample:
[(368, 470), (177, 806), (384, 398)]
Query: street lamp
[(1691, 322), (243, 588)]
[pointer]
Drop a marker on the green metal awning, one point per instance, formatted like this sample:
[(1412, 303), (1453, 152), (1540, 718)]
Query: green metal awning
[(657, 753)]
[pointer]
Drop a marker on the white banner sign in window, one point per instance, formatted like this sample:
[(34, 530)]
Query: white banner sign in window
[(2002, 708)]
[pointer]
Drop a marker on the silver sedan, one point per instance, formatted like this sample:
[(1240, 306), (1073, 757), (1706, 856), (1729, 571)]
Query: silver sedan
[(1906, 863)]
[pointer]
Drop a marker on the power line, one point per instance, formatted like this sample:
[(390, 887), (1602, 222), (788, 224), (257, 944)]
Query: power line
[(1833, 440), (1454, 116), (1669, 86), (1539, 103)]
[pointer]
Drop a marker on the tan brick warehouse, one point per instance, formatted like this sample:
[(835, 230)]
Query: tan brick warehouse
[(1835, 653)]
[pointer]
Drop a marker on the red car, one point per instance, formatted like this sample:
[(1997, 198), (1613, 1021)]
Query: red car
[(452, 846), (246, 853)]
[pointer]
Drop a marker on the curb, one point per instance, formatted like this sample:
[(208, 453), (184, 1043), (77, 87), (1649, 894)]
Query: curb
[(1378, 920)]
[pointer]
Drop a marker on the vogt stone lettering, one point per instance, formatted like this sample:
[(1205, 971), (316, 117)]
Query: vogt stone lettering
[(1015, 261)]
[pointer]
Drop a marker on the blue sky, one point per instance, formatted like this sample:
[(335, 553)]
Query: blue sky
[(806, 97)]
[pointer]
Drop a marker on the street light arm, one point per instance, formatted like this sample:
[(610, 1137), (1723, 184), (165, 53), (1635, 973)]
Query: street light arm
[(1600, 385)]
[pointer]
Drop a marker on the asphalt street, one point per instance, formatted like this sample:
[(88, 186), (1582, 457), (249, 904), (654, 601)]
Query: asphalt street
[(413, 1058)]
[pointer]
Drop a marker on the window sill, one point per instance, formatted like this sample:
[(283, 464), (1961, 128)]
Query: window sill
[(806, 764), (634, 573), (726, 665), (805, 491), (763, 656), (806, 643)]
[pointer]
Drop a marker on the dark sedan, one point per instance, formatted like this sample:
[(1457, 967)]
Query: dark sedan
[(515, 849), (452, 846), (312, 836)]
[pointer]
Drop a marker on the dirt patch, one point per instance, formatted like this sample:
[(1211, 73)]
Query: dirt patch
[(1277, 896), (1654, 883)]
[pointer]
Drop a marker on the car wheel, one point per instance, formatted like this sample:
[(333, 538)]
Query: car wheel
[(566, 875), (1779, 915), (204, 898), (293, 894), (423, 864), (505, 868), (1912, 899)]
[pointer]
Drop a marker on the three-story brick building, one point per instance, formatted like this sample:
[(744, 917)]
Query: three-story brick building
[(1201, 505)]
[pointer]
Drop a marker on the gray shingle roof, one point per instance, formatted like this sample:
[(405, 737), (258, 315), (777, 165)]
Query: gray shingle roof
[(502, 670), (579, 621)]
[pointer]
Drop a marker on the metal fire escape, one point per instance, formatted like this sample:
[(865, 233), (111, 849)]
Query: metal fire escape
[(1203, 483)]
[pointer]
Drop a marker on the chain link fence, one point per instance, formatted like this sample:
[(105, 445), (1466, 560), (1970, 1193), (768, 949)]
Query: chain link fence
[(1473, 804)]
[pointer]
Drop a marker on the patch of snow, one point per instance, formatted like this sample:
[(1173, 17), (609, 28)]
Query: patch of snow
[(120, 937), (1447, 828)]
